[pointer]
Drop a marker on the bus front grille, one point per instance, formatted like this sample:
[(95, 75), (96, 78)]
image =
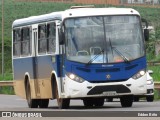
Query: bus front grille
[(117, 88)]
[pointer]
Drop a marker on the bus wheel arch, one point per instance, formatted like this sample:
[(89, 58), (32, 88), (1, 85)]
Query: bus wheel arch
[(32, 103), (53, 85), (26, 82), (63, 103)]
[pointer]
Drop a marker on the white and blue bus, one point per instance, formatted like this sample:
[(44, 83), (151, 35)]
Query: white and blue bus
[(80, 53)]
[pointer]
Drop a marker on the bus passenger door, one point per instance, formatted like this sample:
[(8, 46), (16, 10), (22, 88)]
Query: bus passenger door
[(35, 61), (62, 53)]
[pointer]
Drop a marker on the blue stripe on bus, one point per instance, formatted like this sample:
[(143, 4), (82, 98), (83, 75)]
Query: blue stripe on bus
[(45, 66), (91, 73), (21, 66)]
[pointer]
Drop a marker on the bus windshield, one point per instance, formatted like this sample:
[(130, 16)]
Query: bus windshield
[(104, 39)]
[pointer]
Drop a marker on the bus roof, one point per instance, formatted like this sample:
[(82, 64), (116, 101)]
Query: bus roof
[(78, 12), (37, 19), (98, 11)]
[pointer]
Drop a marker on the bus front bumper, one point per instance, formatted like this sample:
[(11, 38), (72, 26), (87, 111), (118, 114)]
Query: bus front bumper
[(74, 89)]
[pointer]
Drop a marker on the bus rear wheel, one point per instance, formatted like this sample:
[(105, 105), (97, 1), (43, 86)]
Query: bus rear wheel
[(32, 103), (43, 103), (126, 101), (63, 103)]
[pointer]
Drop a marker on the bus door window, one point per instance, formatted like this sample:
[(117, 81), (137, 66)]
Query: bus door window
[(16, 42), (42, 41), (51, 37)]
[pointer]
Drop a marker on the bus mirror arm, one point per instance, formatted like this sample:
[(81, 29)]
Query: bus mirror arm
[(61, 37)]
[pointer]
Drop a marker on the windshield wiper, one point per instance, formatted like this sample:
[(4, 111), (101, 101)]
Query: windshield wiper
[(117, 51), (95, 57), (122, 56)]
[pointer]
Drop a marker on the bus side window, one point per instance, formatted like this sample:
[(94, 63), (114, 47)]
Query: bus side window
[(25, 44), (16, 42), (51, 37), (42, 41)]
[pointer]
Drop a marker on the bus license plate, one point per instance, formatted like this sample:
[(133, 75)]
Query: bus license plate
[(109, 93)]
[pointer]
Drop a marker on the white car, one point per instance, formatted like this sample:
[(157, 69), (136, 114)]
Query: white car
[(150, 89)]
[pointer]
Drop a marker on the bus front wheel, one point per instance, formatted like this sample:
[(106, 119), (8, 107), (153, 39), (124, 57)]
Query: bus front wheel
[(126, 101), (63, 103), (32, 103)]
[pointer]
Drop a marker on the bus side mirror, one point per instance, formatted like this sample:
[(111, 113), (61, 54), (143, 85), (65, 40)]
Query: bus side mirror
[(146, 34), (150, 71), (145, 29), (61, 37)]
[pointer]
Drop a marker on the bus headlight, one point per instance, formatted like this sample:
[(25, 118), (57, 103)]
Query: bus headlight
[(75, 77), (139, 74)]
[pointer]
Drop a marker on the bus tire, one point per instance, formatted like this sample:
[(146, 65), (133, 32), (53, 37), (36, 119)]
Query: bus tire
[(43, 103), (63, 103), (88, 102), (99, 102), (126, 101), (32, 103)]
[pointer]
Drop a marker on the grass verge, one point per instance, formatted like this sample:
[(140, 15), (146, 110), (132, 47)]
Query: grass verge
[(156, 72), (7, 89)]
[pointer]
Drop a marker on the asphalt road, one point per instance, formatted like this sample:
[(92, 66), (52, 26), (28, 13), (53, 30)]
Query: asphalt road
[(15, 103)]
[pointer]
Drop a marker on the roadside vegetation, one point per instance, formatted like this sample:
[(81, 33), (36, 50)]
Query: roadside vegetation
[(15, 10)]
